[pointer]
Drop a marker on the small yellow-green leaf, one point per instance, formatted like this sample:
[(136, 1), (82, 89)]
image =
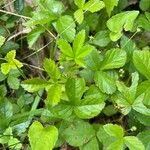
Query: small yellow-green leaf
[(42, 138)]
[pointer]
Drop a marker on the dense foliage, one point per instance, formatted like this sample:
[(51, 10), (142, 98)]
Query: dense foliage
[(75, 74)]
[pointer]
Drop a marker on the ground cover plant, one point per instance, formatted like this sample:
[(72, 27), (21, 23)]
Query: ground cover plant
[(75, 74)]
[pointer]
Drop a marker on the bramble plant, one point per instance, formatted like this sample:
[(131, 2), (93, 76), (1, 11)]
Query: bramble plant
[(75, 75)]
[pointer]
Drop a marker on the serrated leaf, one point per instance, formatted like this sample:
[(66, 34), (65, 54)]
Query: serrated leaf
[(51, 68), (78, 42), (133, 143), (93, 60), (117, 145), (42, 138), (65, 27), (92, 144), (101, 38), (13, 82), (79, 16), (65, 48), (78, 133), (141, 60), (35, 84), (12, 63), (79, 3), (54, 95), (94, 5), (2, 40), (89, 108), (114, 58), (114, 130), (33, 36), (105, 82), (110, 4), (117, 23), (140, 107), (75, 89)]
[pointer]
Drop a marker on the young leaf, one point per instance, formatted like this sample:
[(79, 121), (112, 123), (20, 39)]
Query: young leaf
[(79, 3), (12, 63), (114, 58), (35, 84), (117, 145), (105, 83), (114, 130), (54, 95), (51, 68), (65, 48), (141, 60), (133, 143), (110, 4), (75, 89), (42, 138), (94, 5), (65, 27), (119, 22), (78, 42), (79, 16)]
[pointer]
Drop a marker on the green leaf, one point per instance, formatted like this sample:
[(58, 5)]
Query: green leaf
[(14, 143), (79, 16), (78, 42), (79, 3), (117, 145), (110, 4), (89, 108), (144, 87), (42, 138), (84, 51), (65, 48), (12, 63), (117, 23), (65, 27), (101, 38), (93, 60), (78, 133), (94, 5), (3, 90), (144, 4), (114, 58), (105, 82), (140, 107), (114, 130), (33, 36), (41, 17), (144, 137), (35, 84), (92, 144), (141, 61), (2, 40), (13, 82), (133, 143), (143, 21), (54, 95), (75, 89), (51, 68)]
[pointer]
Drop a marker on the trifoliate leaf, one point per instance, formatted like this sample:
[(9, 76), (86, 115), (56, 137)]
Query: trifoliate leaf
[(117, 23)]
